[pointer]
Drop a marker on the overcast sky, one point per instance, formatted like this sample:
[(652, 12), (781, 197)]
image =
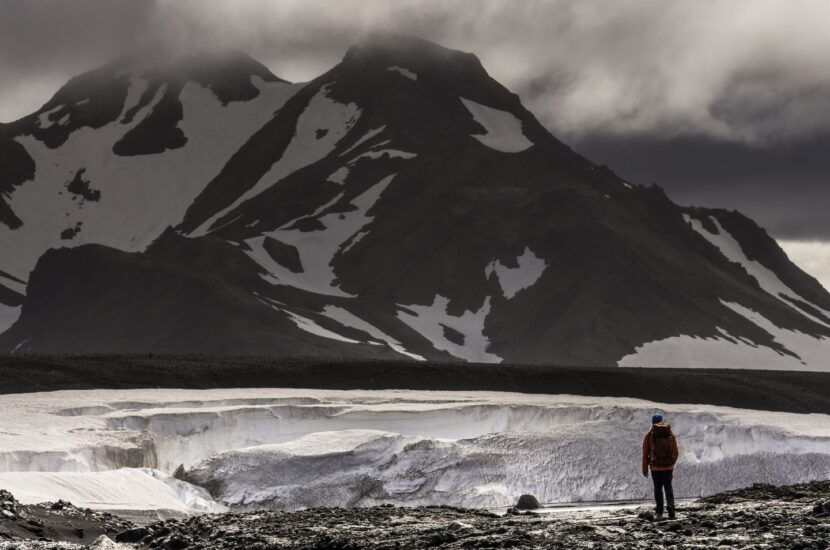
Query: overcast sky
[(722, 103)]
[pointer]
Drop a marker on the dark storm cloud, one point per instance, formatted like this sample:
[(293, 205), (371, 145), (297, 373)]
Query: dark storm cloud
[(786, 187), (721, 102), (45, 42)]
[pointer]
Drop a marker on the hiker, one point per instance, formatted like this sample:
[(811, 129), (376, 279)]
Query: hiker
[(660, 454)]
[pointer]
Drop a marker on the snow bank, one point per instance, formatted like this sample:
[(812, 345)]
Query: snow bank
[(290, 448), (432, 322), (502, 130), (124, 489), (514, 279)]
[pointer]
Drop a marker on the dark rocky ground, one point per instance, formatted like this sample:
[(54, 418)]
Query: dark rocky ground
[(802, 392), (760, 517), (53, 521)]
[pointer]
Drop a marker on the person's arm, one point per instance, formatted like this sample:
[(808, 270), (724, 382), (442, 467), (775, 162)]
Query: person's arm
[(646, 451), (675, 452)]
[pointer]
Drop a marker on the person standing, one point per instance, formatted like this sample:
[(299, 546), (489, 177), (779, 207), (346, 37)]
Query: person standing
[(660, 455)]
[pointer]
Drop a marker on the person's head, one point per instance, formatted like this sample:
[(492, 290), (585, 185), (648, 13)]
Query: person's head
[(657, 418)]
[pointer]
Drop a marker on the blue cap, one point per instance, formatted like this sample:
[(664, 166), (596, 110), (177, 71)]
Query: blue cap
[(657, 418)]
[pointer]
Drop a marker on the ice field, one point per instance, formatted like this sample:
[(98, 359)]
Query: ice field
[(193, 451)]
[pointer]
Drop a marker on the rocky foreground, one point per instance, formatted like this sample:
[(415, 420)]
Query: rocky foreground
[(762, 516)]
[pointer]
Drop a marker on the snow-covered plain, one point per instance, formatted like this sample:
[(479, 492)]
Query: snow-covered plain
[(293, 448)]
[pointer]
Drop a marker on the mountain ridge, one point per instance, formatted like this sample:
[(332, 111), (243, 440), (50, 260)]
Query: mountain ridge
[(404, 200)]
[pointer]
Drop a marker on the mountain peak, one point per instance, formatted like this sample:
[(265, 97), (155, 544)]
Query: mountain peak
[(417, 54), (193, 64)]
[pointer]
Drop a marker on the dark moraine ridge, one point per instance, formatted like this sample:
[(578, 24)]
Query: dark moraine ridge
[(802, 392)]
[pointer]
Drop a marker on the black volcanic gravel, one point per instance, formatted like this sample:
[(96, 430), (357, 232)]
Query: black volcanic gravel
[(759, 517)]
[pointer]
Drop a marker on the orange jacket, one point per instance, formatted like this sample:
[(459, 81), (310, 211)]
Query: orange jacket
[(647, 454)]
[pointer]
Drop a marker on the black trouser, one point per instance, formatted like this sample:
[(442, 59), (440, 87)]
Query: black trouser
[(662, 481)]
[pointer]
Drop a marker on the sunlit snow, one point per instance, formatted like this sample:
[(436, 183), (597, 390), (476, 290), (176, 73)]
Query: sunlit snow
[(294, 448), (503, 131), (405, 72), (514, 279), (430, 322)]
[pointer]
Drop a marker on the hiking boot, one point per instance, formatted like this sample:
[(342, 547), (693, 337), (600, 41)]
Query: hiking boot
[(658, 516), (671, 513)]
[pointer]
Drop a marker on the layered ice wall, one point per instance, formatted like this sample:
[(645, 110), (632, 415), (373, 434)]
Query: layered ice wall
[(289, 449)]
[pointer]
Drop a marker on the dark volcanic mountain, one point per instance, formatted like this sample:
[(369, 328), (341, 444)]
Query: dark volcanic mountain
[(402, 204)]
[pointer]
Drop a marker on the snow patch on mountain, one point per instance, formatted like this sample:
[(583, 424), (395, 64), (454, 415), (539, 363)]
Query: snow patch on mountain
[(767, 279), (43, 120), (8, 316), (728, 351), (131, 186), (502, 130), (405, 72), (285, 448), (391, 153), (432, 321), (339, 176), (308, 325), (321, 113), (12, 284), (348, 319), (513, 279), (354, 240), (317, 248), (366, 137)]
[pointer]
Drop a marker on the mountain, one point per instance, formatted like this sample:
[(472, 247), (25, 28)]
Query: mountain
[(403, 204)]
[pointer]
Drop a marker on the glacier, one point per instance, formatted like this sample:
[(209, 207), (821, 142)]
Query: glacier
[(195, 451)]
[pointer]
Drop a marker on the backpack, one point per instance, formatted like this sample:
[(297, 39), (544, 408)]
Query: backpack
[(661, 447)]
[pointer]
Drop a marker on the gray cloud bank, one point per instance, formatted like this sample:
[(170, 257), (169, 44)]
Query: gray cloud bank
[(699, 96)]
